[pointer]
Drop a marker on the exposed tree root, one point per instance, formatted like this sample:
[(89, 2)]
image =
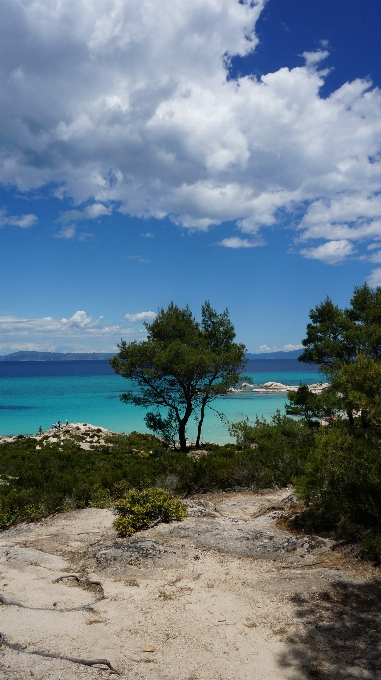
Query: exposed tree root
[(4, 600), (86, 583), (155, 523), (85, 662)]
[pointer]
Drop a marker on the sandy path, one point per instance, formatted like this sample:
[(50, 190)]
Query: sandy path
[(224, 595)]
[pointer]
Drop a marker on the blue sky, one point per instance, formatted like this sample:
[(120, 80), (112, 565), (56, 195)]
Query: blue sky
[(171, 151)]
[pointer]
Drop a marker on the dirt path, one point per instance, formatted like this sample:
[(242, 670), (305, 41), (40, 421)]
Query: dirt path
[(224, 595)]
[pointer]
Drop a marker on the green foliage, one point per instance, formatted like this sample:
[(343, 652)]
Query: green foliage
[(359, 383), (312, 407), (100, 497), (137, 443), (336, 334), (341, 485), (37, 483), (280, 451), (328, 335), (167, 428), (183, 365), (140, 509)]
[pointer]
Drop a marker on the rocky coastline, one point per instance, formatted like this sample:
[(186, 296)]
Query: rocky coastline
[(86, 435), (275, 387)]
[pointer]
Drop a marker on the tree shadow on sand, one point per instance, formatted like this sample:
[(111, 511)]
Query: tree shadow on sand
[(339, 633)]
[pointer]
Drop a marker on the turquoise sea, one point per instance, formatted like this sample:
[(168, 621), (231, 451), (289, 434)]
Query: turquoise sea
[(40, 393)]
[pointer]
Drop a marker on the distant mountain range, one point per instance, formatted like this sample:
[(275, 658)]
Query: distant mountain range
[(56, 356), (96, 356), (265, 356)]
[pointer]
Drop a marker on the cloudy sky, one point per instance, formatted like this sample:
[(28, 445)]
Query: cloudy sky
[(171, 150)]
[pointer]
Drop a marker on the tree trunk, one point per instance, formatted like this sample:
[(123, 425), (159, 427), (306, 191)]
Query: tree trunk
[(350, 416), (200, 422), (182, 438), (182, 425)]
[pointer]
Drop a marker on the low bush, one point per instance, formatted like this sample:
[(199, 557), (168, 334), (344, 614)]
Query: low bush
[(140, 509), (337, 472), (137, 443), (341, 485), (37, 483), (278, 449)]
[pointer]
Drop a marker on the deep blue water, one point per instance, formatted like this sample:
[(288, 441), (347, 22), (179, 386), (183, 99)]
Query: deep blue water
[(43, 369), (34, 393)]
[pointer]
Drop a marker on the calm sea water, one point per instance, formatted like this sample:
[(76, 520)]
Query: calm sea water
[(34, 393)]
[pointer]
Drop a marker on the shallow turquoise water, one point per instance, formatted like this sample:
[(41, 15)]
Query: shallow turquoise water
[(26, 402)]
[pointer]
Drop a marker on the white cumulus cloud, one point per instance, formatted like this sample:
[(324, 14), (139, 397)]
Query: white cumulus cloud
[(374, 279), (140, 317), (23, 221), (67, 232), (375, 256), (332, 252), (316, 57), (91, 212), (127, 104), (285, 348), (237, 242), (78, 333)]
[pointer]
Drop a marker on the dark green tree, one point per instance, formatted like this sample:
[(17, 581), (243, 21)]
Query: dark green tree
[(341, 482), (359, 384), (328, 336), (165, 427), (312, 407), (365, 315), (182, 365), (338, 335)]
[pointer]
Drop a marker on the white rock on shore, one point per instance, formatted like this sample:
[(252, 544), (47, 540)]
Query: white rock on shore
[(315, 388), (89, 434), (271, 387)]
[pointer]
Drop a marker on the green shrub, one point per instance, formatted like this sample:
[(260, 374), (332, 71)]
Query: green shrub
[(60, 478), (138, 444), (35, 512), (100, 498), (341, 486), (140, 509), (276, 451)]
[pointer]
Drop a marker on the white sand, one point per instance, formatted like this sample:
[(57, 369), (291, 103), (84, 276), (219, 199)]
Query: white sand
[(204, 615)]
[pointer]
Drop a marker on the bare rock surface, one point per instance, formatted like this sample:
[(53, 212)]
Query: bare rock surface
[(227, 594)]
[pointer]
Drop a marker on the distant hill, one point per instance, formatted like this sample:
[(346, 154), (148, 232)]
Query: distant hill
[(266, 356), (56, 356), (96, 356)]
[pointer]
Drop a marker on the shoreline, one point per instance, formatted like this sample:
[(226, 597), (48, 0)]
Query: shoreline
[(248, 390), (275, 388), (30, 399), (85, 434), (66, 432)]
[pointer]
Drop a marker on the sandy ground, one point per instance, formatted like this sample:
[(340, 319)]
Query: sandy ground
[(225, 595)]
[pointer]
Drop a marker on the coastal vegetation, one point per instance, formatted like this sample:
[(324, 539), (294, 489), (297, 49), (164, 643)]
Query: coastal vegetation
[(327, 445), (181, 367), (341, 482), (143, 509), (39, 482)]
